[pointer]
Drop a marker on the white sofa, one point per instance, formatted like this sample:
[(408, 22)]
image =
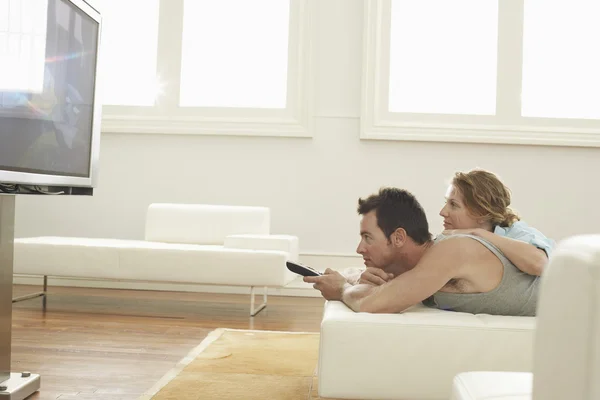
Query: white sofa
[(416, 354), (567, 338), (184, 243)]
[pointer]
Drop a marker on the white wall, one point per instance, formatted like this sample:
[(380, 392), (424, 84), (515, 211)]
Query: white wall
[(312, 185)]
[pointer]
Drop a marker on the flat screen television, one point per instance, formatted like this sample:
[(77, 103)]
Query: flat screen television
[(50, 109)]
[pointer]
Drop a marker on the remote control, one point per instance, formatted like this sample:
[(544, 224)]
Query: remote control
[(302, 269)]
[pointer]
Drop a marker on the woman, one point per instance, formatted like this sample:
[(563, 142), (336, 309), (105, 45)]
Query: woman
[(477, 203)]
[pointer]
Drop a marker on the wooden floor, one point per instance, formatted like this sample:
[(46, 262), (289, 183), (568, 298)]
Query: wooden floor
[(115, 344)]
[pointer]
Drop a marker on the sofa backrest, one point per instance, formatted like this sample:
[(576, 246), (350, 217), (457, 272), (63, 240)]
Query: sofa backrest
[(203, 223), (567, 336)]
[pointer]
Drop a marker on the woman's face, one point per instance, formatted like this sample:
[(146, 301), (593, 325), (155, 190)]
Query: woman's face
[(455, 213)]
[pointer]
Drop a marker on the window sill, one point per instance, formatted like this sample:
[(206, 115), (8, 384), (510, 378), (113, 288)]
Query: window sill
[(518, 135), (270, 127)]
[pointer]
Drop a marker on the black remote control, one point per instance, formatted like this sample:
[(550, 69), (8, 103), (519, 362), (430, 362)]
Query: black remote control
[(302, 269)]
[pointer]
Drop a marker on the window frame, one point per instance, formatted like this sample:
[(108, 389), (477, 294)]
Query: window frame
[(506, 127), (166, 117)]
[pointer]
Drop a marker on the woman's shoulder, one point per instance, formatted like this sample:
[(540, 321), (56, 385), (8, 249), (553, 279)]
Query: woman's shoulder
[(520, 225), (518, 228)]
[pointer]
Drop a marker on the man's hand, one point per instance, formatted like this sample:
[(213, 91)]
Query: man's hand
[(331, 284), (375, 276)]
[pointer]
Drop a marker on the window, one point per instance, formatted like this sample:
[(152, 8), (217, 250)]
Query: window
[(485, 71), (561, 66), (247, 66), (22, 46), (437, 64), (129, 69), (206, 67)]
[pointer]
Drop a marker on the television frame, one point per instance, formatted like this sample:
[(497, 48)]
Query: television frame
[(62, 181)]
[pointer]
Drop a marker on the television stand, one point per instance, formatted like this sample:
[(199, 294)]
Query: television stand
[(19, 386), (13, 386)]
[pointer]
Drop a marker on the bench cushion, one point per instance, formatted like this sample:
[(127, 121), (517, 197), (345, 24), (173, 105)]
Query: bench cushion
[(286, 243), (150, 261), (65, 256)]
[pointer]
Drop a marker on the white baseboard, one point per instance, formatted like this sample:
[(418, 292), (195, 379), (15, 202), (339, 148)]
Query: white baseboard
[(296, 288)]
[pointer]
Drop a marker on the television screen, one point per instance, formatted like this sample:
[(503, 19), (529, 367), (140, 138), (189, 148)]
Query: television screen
[(49, 107)]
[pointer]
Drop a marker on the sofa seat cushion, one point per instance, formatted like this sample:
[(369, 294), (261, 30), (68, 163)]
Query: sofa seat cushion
[(416, 353), (484, 385), (150, 261)]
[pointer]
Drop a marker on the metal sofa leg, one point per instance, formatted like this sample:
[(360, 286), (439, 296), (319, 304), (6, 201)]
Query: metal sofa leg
[(253, 311), (34, 295)]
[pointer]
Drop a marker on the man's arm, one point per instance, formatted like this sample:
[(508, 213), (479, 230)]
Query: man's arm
[(440, 263)]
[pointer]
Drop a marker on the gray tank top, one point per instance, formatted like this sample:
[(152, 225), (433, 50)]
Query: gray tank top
[(516, 294)]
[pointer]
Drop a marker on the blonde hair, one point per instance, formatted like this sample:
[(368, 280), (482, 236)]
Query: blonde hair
[(485, 196)]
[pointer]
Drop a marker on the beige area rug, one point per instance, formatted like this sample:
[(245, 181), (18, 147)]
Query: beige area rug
[(242, 364)]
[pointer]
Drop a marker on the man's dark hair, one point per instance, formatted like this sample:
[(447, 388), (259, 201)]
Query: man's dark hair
[(397, 208)]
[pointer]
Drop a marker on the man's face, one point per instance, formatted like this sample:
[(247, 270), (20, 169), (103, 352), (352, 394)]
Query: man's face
[(376, 249), (455, 213)]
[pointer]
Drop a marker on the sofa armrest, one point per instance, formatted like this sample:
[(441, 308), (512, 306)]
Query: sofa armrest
[(286, 243), (415, 354)]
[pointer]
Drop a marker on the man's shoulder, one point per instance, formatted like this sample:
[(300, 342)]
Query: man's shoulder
[(460, 241), (456, 256), (459, 246), (470, 259), (463, 248)]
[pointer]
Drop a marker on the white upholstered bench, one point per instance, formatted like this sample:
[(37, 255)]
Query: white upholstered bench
[(184, 243)]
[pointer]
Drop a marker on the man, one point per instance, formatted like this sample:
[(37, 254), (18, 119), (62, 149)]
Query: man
[(405, 266)]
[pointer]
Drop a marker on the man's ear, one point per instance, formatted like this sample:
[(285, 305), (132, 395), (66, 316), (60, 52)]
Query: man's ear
[(399, 237)]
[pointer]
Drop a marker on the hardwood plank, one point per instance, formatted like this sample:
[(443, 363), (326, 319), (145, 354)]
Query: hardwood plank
[(115, 344)]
